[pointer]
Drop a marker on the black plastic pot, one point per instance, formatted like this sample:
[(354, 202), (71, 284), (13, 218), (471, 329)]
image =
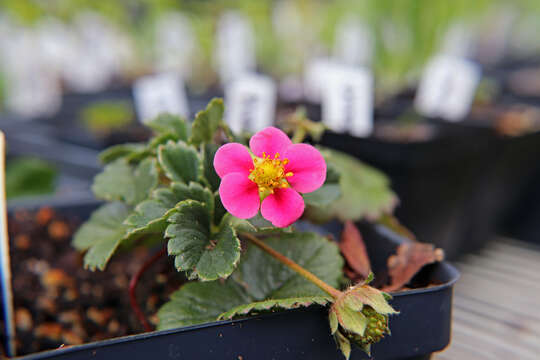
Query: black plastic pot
[(67, 126), (76, 165), (509, 188), (422, 328), (435, 178)]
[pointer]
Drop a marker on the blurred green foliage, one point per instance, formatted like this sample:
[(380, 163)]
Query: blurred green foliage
[(406, 32), (106, 116), (28, 176)]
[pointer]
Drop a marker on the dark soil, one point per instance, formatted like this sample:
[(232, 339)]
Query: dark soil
[(58, 303)]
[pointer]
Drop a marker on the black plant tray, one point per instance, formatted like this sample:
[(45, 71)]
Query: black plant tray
[(435, 179), (422, 328), (76, 165), (66, 126)]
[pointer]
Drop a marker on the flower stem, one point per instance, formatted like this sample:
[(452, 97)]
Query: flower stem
[(299, 135), (330, 290), (133, 286)]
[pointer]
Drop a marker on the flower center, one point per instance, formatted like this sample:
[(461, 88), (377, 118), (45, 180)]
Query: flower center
[(269, 173)]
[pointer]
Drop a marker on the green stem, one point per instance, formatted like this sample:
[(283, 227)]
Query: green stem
[(299, 135), (335, 293)]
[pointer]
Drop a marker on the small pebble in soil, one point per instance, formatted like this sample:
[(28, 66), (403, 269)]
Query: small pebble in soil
[(56, 278), (22, 242), (44, 215), (58, 230), (58, 302), (23, 319), (113, 327), (70, 337), (98, 316), (69, 317), (50, 330)]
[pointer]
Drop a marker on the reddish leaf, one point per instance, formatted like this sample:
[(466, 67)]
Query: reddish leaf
[(354, 250), (409, 259)]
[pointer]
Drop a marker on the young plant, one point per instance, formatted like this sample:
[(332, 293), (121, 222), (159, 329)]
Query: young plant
[(200, 190)]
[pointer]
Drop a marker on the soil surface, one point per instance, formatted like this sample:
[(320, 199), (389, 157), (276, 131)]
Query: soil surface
[(59, 303)]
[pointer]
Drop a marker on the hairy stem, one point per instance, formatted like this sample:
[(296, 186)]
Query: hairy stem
[(330, 290), (299, 135), (133, 286)]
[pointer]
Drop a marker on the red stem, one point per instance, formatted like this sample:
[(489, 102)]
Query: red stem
[(133, 285)]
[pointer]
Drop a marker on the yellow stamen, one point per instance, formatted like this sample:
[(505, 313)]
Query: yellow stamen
[(269, 173)]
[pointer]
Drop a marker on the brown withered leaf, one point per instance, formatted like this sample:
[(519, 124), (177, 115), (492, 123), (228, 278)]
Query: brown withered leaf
[(354, 250), (409, 259)]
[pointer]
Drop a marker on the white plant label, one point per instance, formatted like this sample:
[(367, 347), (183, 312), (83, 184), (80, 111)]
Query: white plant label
[(235, 50), (96, 53), (7, 294), (447, 88), (157, 94), (347, 104), (174, 44), (353, 44), (34, 89), (315, 77), (458, 41), (251, 103)]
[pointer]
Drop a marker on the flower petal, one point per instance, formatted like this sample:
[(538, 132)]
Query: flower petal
[(283, 207), (239, 195), (270, 140), (308, 167), (232, 158)]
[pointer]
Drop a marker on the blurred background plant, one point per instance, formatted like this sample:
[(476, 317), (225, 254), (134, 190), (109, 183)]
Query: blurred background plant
[(288, 34), (29, 176)]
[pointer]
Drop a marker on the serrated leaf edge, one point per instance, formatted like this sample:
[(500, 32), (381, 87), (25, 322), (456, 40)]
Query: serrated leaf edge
[(270, 304)]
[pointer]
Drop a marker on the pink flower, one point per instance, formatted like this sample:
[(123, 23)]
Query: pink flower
[(269, 178)]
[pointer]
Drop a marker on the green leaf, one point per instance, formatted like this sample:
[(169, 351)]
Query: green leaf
[(353, 320), (168, 123), (101, 234), (240, 225), (261, 273), (200, 252), (208, 153), (324, 196), (343, 344), (207, 122), (120, 151), (259, 277), (333, 320), (266, 305), (219, 210), (151, 216), (200, 302), (365, 191), (179, 161), (123, 182)]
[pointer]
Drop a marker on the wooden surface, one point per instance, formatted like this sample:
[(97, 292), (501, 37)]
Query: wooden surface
[(496, 312)]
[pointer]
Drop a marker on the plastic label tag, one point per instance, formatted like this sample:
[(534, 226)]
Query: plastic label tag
[(347, 104), (251, 103), (447, 88), (353, 43), (315, 76), (94, 55), (34, 89), (5, 268), (235, 50), (162, 93), (174, 44)]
